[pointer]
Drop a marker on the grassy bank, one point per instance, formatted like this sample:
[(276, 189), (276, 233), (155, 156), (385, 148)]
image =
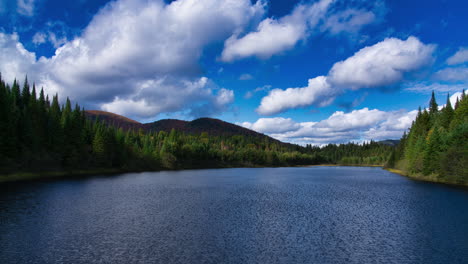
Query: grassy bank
[(344, 165), (430, 178), (27, 176)]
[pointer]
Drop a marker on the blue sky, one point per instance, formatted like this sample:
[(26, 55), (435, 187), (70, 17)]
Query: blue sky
[(326, 71)]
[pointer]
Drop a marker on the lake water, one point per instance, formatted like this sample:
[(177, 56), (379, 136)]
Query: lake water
[(266, 215)]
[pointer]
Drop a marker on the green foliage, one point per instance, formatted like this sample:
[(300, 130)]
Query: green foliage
[(369, 153), (39, 135), (433, 107), (436, 147)]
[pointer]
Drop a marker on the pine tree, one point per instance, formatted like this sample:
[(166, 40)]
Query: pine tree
[(432, 153), (4, 109), (54, 129), (447, 114), (433, 107), (26, 93), (99, 147)]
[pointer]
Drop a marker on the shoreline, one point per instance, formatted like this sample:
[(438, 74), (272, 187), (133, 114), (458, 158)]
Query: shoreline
[(428, 179), (57, 175), (341, 165)]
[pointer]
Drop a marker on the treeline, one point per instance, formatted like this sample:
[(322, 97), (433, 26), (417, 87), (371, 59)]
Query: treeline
[(368, 153), (436, 147), (39, 134)]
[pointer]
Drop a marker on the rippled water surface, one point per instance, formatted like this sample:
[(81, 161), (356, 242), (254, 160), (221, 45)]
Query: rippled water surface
[(271, 215)]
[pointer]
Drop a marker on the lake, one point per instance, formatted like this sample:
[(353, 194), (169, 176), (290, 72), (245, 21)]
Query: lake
[(252, 215)]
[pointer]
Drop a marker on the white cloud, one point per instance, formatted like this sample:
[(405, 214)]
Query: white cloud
[(452, 74), (39, 38), (461, 56), (358, 125), (139, 53), (224, 97), (170, 95), (250, 94), (393, 127), (318, 92), (453, 98), (382, 64), (272, 125), (350, 20), (273, 36), (15, 60), (56, 40), (357, 119), (245, 77), (377, 66), (437, 87), (25, 7)]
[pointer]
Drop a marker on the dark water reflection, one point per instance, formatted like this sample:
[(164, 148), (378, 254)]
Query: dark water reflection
[(272, 215)]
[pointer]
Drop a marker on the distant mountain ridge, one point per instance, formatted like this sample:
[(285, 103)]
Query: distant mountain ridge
[(212, 126), (390, 142)]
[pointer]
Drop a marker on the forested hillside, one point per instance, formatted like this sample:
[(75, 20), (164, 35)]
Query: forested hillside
[(436, 147), (211, 126), (371, 153), (40, 135)]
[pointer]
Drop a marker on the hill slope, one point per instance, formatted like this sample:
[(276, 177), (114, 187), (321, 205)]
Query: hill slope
[(212, 126), (113, 119)]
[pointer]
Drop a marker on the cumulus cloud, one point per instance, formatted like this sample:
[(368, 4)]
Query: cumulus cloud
[(452, 74), (318, 92), (382, 64), (461, 56), (15, 60), (25, 7), (272, 125), (455, 96), (273, 36), (393, 127), (171, 95), (377, 66), (137, 54), (358, 125)]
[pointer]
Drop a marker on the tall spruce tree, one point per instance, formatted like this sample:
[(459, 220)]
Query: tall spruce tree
[(433, 107), (447, 114)]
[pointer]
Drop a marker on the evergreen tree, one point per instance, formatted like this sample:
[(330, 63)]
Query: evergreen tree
[(433, 107), (437, 144), (447, 114), (432, 153)]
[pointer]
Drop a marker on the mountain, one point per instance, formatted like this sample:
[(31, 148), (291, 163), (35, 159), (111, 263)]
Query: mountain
[(390, 142), (212, 126), (113, 119)]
